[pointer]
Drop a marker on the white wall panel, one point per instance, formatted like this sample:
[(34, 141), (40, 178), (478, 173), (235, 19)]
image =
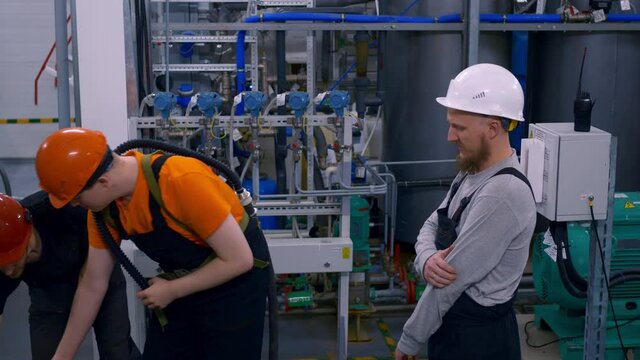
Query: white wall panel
[(26, 35)]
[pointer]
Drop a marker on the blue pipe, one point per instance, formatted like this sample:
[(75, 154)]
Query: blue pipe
[(521, 18), (450, 18), (325, 17), (547, 18), (623, 17), (328, 17), (334, 86), (408, 7)]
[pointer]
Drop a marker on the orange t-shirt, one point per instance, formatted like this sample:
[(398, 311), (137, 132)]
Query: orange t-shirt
[(191, 192)]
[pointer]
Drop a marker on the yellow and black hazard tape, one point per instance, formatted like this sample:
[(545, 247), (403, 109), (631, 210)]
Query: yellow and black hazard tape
[(386, 333), (31, 121)]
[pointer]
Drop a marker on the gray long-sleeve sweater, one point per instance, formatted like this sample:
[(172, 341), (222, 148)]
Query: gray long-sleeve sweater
[(489, 254)]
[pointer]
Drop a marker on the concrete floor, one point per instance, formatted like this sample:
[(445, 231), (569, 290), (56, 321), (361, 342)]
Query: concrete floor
[(306, 337), (302, 336)]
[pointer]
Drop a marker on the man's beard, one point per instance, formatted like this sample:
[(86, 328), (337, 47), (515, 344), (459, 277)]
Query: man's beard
[(471, 163)]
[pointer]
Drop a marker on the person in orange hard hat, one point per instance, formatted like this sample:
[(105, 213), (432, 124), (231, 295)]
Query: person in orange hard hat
[(183, 216), (45, 247)]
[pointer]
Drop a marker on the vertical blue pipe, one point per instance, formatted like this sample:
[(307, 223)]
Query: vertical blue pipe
[(240, 69), (519, 54)]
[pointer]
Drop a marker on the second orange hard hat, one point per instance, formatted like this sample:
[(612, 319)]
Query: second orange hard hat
[(67, 160)]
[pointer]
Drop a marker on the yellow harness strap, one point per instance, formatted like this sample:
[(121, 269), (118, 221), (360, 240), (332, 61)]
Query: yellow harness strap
[(154, 188)]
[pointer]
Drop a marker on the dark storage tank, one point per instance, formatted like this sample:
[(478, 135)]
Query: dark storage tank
[(611, 75), (418, 67)]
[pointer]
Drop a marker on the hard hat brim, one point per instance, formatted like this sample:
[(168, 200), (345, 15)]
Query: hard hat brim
[(443, 101), (57, 202), (446, 103)]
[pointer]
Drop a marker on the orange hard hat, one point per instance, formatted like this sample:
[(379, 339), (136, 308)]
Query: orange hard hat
[(15, 229), (70, 160)]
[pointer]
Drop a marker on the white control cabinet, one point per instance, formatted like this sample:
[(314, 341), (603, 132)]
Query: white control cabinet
[(576, 166)]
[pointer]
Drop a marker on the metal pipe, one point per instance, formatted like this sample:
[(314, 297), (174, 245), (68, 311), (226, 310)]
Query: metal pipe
[(339, 3), (369, 187), (289, 77), (166, 45), (62, 54), (281, 133), (426, 183), (76, 68), (381, 184), (393, 208), (412, 162), (381, 74)]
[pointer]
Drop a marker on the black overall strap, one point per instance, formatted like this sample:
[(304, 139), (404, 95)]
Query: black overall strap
[(542, 223), (513, 171), (454, 190), (504, 171)]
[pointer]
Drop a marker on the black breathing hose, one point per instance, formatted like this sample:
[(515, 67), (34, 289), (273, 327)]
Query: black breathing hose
[(229, 174), (232, 178), (118, 253), (245, 198)]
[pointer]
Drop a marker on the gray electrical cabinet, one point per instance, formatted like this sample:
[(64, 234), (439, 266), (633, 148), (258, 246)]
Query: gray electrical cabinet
[(576, 166)]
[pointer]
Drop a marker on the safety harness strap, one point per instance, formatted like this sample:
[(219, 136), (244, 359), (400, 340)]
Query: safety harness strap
[(151, 174), (154, 189)]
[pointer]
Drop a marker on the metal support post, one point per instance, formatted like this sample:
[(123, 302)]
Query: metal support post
[(311, 90), (62, 55), (595, 329), (471, 32), (345, 231), (343, 314), (76, 70)]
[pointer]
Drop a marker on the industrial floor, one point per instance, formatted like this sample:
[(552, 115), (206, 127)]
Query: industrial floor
[(306, 336), (302, 336)]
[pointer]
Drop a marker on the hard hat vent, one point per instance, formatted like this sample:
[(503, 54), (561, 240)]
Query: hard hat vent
[(480, 95)]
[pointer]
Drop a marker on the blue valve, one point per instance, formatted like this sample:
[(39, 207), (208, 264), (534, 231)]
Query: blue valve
[(338, 100), (185, 91), (209, 103), (298, 102), (253, 102), (163, 103)]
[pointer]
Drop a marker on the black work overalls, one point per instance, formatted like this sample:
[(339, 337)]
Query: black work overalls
[(470, 330), (225, 322), (53, 280)]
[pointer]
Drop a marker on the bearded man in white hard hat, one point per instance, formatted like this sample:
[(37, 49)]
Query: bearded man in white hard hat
[(473, 249)]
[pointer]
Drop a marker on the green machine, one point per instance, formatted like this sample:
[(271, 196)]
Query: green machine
[(564, 313), (359, 233)]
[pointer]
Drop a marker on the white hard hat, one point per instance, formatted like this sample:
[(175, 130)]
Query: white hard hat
[(486, 89)]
